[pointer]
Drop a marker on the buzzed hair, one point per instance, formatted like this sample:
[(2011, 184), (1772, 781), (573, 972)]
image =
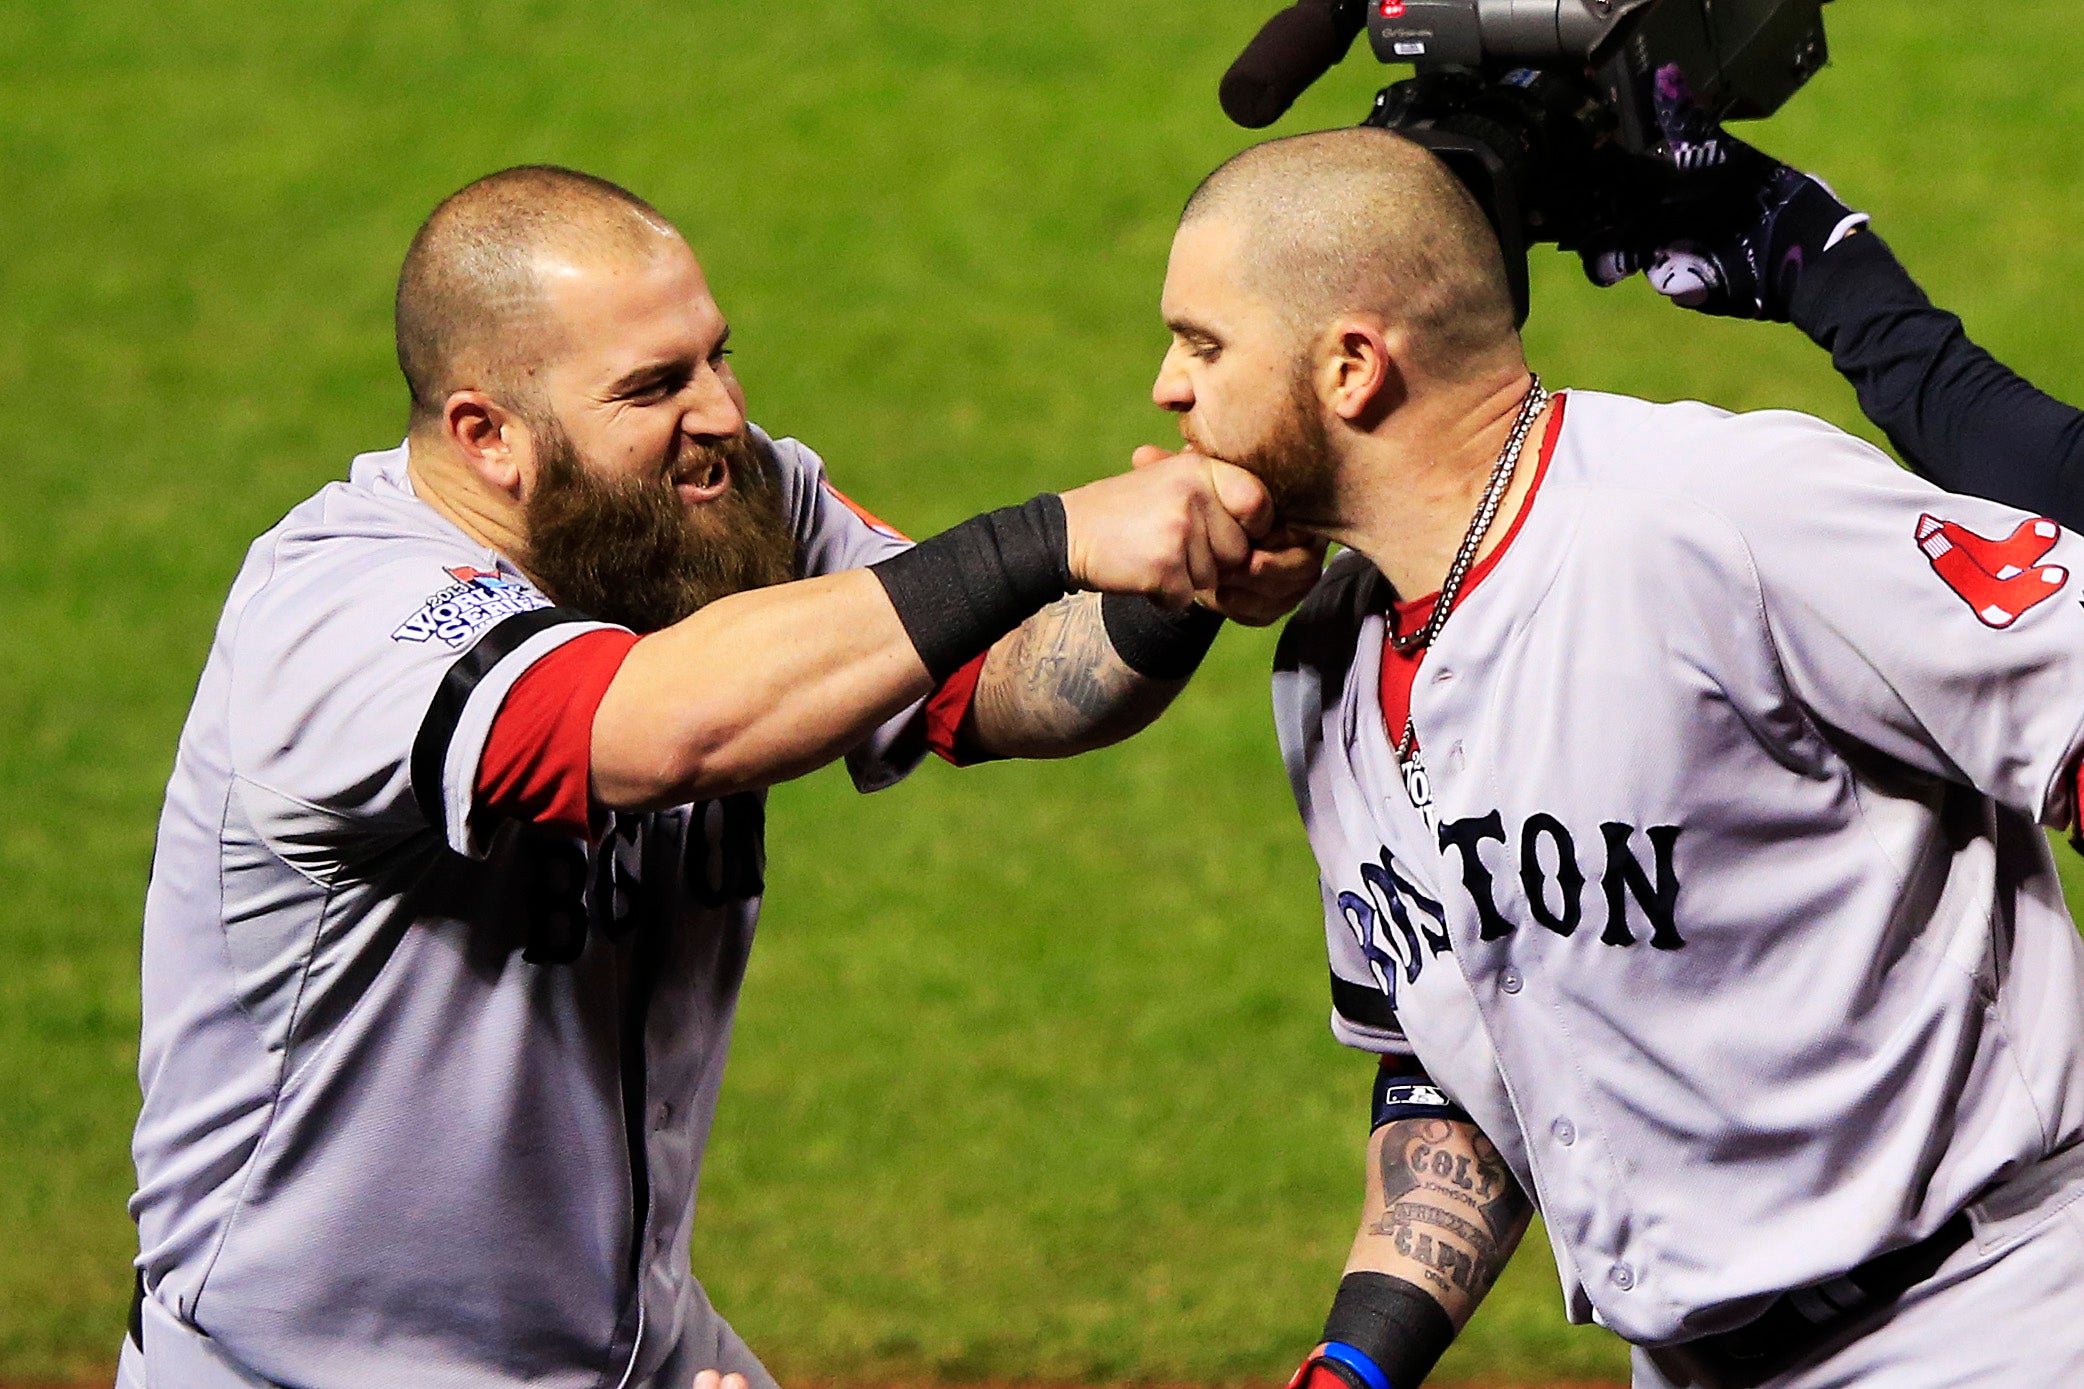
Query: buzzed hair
[(1365, 221), (470, 309)]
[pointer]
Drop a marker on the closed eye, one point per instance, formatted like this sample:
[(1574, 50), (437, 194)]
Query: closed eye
[(651, 385), (1204, 345)]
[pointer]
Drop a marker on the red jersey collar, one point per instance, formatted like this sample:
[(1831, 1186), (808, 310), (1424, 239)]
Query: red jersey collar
[(1411, 614)]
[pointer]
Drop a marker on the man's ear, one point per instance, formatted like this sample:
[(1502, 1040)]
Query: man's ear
[(1360, 379), (491, 439)]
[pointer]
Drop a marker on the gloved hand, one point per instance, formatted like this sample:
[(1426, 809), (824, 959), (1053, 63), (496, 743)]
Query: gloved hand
[(1732, 235)]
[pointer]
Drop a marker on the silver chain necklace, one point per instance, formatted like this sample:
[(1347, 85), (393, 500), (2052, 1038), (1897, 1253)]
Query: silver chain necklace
[(1416, 781)]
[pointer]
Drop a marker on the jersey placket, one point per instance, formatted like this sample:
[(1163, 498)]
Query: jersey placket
[(1560, 1146), (700, 885)]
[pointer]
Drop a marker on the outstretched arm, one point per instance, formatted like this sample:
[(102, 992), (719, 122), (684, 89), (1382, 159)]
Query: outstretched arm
[(1741, 234), (1955, 413), (1089, 671), (763, 686)]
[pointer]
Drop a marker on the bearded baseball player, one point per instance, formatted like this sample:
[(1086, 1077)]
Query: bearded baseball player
[(1676, 781), (460, 860)]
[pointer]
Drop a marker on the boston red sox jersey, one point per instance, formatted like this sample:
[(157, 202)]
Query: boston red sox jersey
[(1730, 920), (426, 1091)]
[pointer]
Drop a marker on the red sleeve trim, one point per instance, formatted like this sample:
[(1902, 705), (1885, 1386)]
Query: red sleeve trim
[(537, 766), (2077, 810), (947, 709), (867, 518)]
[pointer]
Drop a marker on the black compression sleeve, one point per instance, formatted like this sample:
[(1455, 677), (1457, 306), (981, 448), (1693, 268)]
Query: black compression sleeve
[(1956, 414), (1396, 1324), (965, 588), (1156, 644)]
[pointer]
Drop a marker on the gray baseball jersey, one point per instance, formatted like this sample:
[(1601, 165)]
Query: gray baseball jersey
[(1730, 920), (426, 1092)]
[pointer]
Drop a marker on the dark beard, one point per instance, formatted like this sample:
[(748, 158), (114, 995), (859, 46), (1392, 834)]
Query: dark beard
[(1294, 460), (629, 551)]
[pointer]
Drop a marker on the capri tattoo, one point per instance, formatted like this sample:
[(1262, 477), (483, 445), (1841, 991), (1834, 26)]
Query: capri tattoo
[(1450, 1205)]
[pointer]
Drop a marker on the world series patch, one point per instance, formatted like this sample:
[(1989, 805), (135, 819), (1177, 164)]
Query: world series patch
[(478, 600)]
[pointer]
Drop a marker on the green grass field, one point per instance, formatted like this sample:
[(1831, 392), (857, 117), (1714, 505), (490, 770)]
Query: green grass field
[(1032, 1078)]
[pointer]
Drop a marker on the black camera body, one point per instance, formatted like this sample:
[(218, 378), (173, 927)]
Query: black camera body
[(1743, 58), (1545, 109)]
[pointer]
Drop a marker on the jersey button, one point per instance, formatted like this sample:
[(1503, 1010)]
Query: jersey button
[(1565, 1131), (661, 1114), (1510, 981), (1623, 1276)]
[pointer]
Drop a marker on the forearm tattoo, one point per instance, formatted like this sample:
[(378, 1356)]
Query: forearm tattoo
[(1055, 686), (1450, 1206)]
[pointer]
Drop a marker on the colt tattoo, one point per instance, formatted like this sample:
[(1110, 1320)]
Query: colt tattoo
[(1450, 1206)]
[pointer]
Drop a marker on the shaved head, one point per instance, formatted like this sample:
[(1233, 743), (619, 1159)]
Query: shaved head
[(1363, 221), (472, 310)]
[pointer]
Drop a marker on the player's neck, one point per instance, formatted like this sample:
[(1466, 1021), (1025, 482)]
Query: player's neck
[(1414, 486), (442, 480)]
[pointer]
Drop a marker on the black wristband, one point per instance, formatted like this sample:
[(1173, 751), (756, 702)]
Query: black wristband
[(1400, 1096), (1156, 644), (1396, 1324), (961, 591)]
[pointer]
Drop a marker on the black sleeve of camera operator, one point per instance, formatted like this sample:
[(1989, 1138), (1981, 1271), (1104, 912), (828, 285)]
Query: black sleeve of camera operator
[(1957, 415)]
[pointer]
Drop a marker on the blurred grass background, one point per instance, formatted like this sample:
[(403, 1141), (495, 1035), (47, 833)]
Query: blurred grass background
[(1032, 1076)]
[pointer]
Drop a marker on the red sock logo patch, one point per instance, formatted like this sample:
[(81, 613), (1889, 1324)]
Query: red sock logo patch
[(1998, 579)]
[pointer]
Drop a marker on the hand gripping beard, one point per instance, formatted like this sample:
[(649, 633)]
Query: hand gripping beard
[(631, 552)]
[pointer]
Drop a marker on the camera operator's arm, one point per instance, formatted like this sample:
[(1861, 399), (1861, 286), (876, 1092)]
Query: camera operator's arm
[(1757, 239), (1957, 415), (1443, 1214)]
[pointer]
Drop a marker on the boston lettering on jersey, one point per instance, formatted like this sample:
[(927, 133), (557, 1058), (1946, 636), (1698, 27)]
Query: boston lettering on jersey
[(1399, 927), (1554, 880), (574, 888)]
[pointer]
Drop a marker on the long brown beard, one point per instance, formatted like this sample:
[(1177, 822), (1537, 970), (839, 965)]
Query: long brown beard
[(629, 551)]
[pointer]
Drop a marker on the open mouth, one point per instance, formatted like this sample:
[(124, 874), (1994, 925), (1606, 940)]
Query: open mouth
[(704, 482)]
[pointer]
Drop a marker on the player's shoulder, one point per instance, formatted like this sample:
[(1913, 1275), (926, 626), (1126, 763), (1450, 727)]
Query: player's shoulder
[(810, 500), (788, 453), (370, 519), (1683, 472), (798, 470), (797, 466), (1318, 646), (1688, 450), (366, 553), (1321, 633)]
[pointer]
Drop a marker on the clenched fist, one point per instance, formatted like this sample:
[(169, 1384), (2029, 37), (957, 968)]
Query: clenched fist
[(1282, 568), (1170, 530)]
